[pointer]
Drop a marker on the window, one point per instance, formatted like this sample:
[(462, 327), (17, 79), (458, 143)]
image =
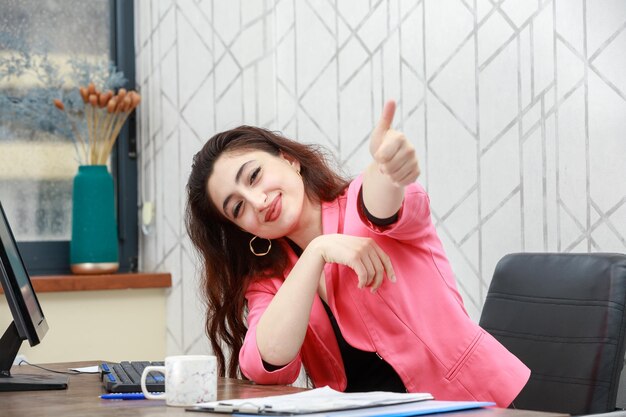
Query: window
[(37, 162)]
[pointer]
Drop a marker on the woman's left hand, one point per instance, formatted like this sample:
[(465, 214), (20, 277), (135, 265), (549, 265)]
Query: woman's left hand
[(392, 151)]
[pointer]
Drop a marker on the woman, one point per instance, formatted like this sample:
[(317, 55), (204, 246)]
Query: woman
[(283, 235)]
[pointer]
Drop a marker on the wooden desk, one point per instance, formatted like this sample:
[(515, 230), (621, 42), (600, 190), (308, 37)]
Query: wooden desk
[(81, 399)]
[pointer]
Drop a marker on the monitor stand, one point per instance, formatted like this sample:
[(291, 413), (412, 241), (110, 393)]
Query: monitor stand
[(33, 382), (9, 346)]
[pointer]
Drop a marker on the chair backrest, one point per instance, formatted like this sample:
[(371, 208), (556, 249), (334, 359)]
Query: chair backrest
[(564, 316), (621, 391)]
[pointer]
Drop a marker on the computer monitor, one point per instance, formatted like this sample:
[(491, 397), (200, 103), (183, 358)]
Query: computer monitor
[(29, 322)]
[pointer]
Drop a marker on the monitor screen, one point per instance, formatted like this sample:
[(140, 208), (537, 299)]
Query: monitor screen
[(29, 322), (24, 305)]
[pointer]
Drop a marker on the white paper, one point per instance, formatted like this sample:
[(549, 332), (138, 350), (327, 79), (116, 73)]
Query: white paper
[(419, 408), (86, 369), (313, 401)]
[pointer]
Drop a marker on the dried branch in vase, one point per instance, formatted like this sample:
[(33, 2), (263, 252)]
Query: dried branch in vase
[(104, 115)]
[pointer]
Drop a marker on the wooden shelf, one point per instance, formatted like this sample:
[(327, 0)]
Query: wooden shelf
[(122, 281)]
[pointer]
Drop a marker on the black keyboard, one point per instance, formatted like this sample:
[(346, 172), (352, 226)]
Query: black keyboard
[(126, 377)]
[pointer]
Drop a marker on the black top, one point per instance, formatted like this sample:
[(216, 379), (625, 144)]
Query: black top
[(365, 371)]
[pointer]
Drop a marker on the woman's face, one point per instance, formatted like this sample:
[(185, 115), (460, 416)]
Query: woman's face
[(261, 193)]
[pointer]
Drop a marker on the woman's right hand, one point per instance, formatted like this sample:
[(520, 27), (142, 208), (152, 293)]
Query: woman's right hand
[(362, 254), (283, 325)]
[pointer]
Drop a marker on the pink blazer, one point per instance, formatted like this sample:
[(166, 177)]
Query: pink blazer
[(418, 325)]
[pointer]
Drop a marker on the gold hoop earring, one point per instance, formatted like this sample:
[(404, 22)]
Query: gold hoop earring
[(260, 254)]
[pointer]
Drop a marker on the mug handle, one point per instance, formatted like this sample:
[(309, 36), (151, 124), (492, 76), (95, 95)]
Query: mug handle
[(144, 375)]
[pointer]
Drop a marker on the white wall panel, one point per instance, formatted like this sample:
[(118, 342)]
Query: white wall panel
[(519, 121)]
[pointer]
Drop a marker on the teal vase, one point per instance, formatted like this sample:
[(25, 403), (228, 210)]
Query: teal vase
[(94, 244)]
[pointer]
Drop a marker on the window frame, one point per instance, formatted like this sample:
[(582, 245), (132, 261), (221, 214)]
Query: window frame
[(52, 257)]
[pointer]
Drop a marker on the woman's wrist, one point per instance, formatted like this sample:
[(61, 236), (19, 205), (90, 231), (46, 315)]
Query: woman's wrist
[(315, 251)]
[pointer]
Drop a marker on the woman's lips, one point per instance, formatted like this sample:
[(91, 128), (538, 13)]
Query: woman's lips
[(274, 210)]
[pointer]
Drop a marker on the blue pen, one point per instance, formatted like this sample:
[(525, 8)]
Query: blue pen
[(123, 396)]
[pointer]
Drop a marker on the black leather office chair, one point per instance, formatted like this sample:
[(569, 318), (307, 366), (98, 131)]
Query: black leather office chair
[(564, 316)]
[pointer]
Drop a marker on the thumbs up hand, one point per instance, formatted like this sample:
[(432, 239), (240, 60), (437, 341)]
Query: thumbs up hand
[(392, 151)]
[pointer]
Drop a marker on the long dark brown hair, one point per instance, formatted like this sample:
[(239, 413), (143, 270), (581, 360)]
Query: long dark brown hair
[(227, 263)]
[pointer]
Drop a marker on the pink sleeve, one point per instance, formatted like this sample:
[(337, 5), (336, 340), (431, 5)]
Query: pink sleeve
[(258, 295), (413, 218)]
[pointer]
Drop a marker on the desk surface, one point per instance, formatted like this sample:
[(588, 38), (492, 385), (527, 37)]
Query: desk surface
[(81, 399)]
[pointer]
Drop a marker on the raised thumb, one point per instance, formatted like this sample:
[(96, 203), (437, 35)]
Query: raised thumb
[(383, 125)]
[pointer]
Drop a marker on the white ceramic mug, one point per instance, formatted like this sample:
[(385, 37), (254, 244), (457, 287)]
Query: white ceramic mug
[(189, 379)]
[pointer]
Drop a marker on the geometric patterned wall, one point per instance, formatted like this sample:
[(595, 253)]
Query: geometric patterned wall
[(517, 110)]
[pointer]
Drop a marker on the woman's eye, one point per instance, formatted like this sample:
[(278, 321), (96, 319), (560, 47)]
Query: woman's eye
[(237, 209), (254, 174)]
